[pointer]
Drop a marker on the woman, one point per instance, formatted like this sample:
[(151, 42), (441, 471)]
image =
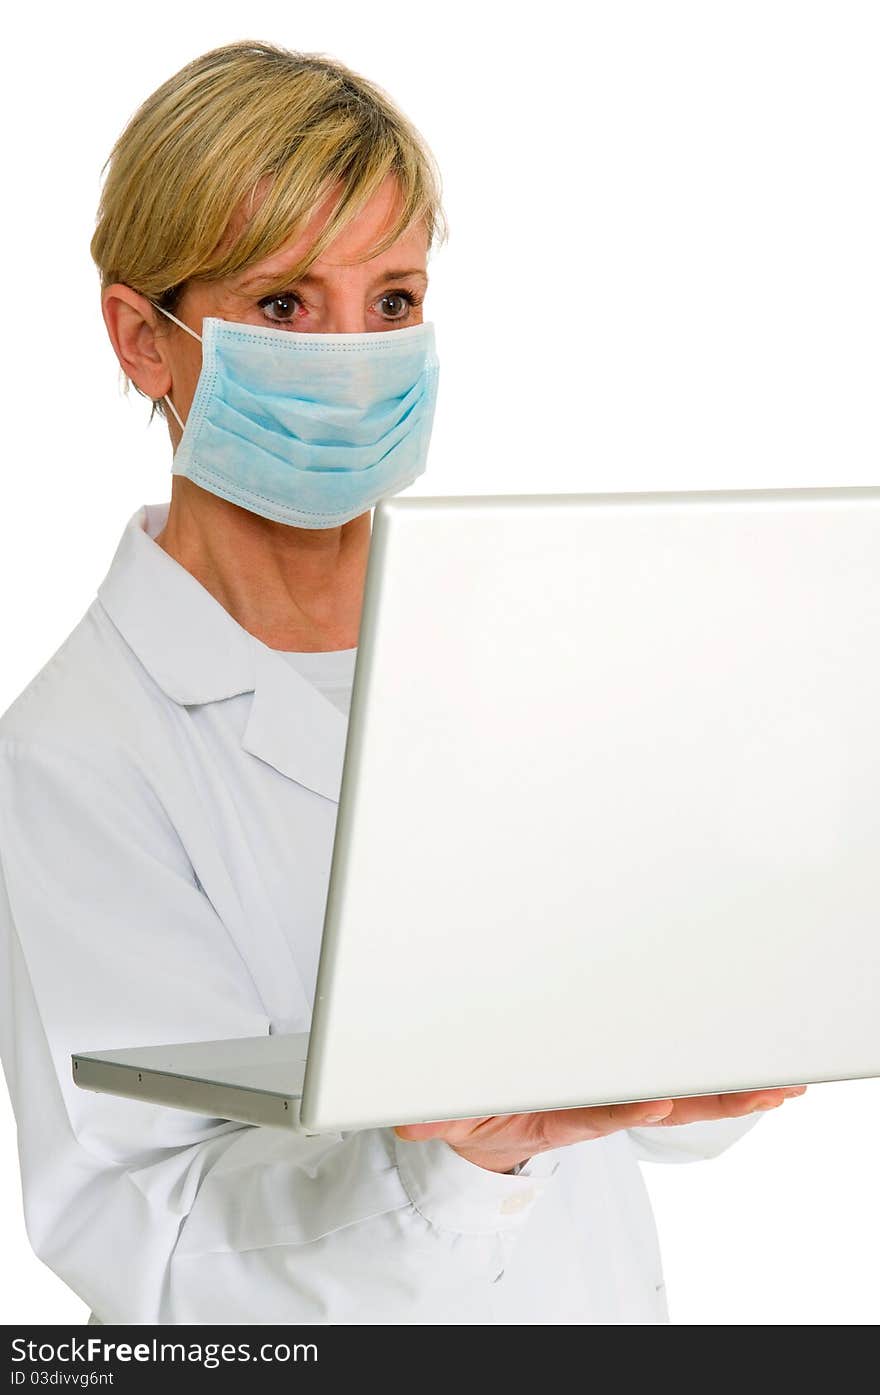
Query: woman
[(170, 778)]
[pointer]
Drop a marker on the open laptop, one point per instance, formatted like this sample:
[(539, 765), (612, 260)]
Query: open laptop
[(609, 825)]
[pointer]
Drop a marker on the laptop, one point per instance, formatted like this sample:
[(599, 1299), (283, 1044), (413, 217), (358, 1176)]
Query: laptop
[(609, 824)]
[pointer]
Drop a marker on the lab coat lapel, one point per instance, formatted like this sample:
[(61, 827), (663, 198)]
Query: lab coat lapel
[(293, 727), (197, 654)]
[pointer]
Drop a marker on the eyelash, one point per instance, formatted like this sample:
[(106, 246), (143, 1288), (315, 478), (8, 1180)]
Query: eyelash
[(412, 298)]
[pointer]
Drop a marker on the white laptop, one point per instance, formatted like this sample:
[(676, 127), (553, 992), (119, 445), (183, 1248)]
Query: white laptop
[(609, 825)]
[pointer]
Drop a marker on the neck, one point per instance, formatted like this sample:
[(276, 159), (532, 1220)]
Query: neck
[(292, 588)]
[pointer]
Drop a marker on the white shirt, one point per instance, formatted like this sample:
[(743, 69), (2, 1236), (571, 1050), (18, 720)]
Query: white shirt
[(330, 671), (168, 796)]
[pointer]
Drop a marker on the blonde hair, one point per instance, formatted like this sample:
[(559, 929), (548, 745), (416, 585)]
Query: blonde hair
[(202, 143)]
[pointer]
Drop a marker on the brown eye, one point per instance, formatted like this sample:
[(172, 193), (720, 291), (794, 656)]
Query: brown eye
[(403, 299), (280, 307)]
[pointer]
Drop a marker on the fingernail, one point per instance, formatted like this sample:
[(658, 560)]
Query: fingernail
[(655, 1118), (769, 1104), (795, 1090)]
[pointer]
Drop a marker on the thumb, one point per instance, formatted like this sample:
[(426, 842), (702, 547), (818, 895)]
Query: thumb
[(416, 1132)]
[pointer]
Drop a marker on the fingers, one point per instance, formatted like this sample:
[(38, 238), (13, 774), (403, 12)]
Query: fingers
[(533, 1132), (564, 1126), (559, 1127), (445, 1128), (733, 1105), (421, 1131)]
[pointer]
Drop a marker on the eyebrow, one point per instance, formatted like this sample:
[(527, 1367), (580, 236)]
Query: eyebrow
[(265, 279)]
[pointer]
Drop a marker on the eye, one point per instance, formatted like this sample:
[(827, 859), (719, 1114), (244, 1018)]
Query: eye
[(408, 298), (280, 307)]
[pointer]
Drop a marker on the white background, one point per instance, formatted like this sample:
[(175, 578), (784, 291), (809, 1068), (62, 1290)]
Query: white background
[(662, 273)]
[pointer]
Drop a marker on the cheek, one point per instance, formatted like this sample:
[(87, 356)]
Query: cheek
[(185, 369)]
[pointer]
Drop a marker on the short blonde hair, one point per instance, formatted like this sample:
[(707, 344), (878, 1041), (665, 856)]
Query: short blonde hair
[(203, 142)]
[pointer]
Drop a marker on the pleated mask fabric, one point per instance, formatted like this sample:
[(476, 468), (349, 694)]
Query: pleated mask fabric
[(308, 429)]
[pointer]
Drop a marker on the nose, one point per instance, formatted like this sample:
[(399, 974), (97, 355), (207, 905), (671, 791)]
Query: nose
[(345, 310), (345, 319)]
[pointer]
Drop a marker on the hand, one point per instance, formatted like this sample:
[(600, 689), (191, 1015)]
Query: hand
[(499, 1142)]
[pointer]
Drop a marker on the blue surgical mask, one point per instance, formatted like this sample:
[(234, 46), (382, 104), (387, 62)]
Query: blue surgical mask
[(308, 429)]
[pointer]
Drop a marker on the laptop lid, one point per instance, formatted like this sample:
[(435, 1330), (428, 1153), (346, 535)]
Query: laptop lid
[(609, 827)]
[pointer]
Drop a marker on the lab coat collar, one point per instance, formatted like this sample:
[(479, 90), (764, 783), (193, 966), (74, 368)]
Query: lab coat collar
[(197, 653)]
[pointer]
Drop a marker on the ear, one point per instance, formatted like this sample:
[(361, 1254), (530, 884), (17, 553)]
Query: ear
[(132, 325)]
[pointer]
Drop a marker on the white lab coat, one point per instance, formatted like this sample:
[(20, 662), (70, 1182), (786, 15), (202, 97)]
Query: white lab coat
[(168, 795)]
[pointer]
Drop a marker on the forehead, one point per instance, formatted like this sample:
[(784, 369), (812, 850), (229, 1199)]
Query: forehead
[(348, 249)]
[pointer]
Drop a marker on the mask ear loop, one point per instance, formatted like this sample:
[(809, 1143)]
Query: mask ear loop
[(167, 399), (168, 315)]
